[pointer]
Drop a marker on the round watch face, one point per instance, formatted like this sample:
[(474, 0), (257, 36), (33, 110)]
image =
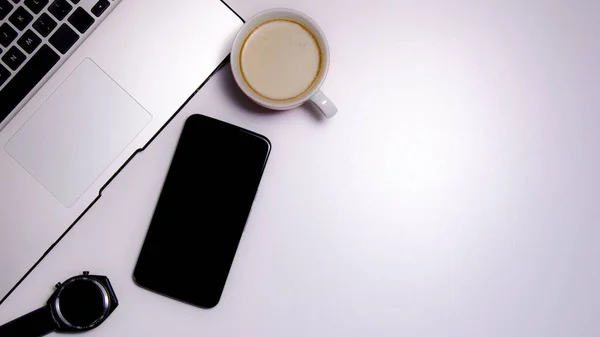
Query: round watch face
[(82, 303)]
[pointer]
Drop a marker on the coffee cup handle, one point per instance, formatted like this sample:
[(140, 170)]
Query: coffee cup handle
[(324, 104)]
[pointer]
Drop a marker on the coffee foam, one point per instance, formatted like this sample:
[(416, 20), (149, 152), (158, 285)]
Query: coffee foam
[(280, 60)]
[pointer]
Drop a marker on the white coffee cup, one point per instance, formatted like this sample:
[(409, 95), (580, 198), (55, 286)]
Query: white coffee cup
[(265, 48)]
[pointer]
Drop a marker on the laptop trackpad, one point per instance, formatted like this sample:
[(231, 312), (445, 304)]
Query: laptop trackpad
[(78, 132)]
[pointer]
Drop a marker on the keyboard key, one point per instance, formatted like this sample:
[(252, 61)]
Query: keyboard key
[(60, 9), (16, 1), (13, 58), (5, 8), (75, 1), (26, 79), (7, 34), (44, 25), (20, 18), (4, 74), (100, 7), (81, 20), (36, 6), (64, 38), (29, 41)]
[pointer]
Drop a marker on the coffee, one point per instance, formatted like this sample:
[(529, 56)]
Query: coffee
[(280, 60)]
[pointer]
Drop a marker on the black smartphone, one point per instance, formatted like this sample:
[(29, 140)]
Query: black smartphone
[(202, 210)]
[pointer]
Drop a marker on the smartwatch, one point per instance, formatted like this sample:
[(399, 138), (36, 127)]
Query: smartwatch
[(80, 303)]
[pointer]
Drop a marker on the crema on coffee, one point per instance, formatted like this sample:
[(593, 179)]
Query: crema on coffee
[(280, 59)]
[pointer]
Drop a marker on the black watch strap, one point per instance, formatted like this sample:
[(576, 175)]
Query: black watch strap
[(35, 323)]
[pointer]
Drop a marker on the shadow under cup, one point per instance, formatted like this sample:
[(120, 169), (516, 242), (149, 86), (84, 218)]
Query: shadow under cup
[(297, 19)]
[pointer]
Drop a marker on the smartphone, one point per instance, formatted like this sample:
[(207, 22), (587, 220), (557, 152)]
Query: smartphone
[(202, 211)]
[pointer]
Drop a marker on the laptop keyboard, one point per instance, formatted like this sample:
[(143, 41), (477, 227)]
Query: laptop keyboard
[(35, 38)]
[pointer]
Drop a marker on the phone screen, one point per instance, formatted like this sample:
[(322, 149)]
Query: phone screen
[(202, 211)]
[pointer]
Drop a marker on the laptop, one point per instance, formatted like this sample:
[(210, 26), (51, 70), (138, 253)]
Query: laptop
[(84, 84)]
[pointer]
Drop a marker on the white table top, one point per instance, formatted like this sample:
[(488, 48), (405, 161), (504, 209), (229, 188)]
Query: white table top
[(456, 193)]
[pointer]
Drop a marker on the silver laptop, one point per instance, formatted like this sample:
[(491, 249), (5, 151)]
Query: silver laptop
[(84, 85)]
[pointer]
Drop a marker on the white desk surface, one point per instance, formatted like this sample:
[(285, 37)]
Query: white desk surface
[(456, 193)]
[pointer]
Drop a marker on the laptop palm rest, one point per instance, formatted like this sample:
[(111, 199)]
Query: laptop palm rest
[(78, 132)]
